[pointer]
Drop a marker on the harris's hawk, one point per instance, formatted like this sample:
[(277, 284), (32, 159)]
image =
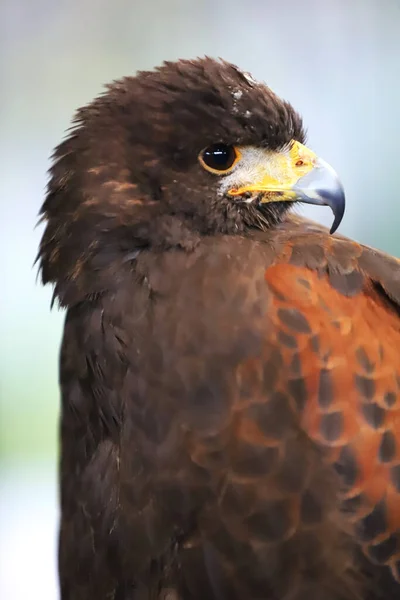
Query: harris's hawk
[(230, 373)]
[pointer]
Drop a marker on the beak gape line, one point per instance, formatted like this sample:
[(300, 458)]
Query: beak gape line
[(297, 176)]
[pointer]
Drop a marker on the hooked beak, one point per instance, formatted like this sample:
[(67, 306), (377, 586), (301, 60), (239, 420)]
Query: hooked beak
[(298, 176)]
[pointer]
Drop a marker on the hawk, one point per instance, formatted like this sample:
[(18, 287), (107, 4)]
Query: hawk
[(229, 372)]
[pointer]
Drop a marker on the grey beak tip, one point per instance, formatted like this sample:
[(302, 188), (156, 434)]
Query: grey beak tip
[(337, 220), (321, 186)]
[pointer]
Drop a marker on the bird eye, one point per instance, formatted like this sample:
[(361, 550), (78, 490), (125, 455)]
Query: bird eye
[(219, 158)]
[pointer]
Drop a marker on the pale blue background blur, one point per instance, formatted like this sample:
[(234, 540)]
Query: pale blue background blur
[(337, 61)]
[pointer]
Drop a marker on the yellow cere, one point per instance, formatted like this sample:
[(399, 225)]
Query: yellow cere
[(280, 172)]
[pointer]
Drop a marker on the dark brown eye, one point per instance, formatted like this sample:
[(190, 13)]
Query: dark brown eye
[(219, 158)]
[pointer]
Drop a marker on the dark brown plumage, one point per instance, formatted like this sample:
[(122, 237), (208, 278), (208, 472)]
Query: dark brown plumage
[(229, 373)]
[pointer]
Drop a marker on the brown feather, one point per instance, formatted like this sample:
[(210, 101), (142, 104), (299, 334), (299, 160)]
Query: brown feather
[(230, 380)]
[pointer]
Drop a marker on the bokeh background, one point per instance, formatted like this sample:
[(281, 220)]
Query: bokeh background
[(337, 61)]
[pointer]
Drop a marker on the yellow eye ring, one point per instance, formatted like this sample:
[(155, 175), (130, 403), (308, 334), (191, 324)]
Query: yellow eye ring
[(219, 158)]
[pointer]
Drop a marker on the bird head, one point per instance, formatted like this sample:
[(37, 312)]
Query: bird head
[(192, 148)]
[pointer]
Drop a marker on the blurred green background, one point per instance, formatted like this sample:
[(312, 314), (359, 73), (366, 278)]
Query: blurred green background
[(337, 61)]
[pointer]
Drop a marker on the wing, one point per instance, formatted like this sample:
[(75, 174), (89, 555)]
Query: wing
[(91, 372), (338, 329)]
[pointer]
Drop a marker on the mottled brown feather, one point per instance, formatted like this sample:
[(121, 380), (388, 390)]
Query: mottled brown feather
[(245, 448)]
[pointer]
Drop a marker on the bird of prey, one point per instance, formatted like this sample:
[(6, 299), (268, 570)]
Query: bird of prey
[(229, 372)]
